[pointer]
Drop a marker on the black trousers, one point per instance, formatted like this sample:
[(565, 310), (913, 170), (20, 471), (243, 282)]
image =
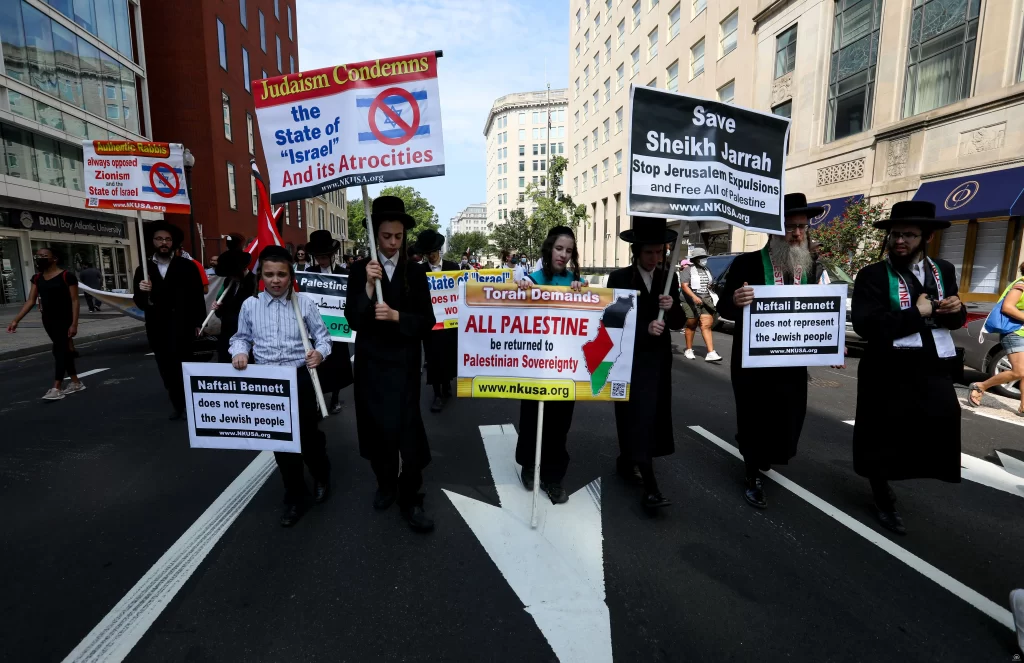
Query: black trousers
[(63, 356), (554, 458), (314, 446), (407, 484), (93, 304), (170, 353)]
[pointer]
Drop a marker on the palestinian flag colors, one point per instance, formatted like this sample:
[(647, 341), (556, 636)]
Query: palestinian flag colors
[(601, 353)]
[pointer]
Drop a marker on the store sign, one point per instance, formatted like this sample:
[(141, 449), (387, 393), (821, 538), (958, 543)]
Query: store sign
[(59, 223)]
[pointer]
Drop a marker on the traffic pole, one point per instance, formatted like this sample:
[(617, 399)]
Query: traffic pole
[(373, 241), (307, 347), (536, 463), (674, 259)]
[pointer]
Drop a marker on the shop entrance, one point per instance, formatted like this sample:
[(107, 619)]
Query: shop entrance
[(12, 289), (115, 268)]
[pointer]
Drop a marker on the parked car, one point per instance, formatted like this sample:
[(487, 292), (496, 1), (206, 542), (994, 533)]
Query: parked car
[(988, 355)]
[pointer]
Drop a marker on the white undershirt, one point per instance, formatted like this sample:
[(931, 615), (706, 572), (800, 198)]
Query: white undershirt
[(389, 265), (435, 268), (162, 266), (917, 269), (648, 277), (325, 270)]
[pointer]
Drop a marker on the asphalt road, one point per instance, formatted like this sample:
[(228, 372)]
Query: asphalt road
[(97, 487)]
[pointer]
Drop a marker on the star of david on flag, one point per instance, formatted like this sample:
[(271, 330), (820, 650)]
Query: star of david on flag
[(393, 117)]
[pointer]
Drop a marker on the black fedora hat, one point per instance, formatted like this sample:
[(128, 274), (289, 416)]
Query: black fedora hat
[(390, 208), (429, 241), (915, 212), (794, 204), (647, 230), (153, 227), (232, 263), (321, 243)]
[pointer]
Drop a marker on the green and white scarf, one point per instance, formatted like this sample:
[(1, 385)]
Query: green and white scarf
[(899, 300)]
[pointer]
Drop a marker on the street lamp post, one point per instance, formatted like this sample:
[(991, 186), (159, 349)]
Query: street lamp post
[(190, 161)]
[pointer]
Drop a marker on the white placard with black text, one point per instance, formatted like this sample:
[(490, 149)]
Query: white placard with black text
[(795, 325)]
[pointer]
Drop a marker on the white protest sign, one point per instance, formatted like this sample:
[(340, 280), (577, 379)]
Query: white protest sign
[(257, 408), (329, 292), (545, 343), (125, 174), (362, 123), (795, 325), (445, 287)]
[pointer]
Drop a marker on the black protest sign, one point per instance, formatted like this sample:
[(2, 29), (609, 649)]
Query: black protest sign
[(704, 160)]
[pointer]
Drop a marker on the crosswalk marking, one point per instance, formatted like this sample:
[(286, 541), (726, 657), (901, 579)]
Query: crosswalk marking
[(92, 372)]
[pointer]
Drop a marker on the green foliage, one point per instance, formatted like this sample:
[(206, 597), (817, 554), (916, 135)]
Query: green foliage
[(416, 206), (474, 242), (850, 241), (518, 235)]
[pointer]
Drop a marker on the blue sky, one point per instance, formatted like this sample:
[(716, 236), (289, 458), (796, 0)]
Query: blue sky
[(490, 49)]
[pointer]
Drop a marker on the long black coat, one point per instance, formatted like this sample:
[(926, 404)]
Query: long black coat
[(238, 291), (770, 402), (387, 370), (336, 372), (644, 422), (175, 307), (908, 415), (441, 346)]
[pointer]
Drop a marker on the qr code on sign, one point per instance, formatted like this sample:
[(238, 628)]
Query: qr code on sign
[(618, 389), (94, 202)]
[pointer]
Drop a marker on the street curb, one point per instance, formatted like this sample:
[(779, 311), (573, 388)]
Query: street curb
[(79, 340)]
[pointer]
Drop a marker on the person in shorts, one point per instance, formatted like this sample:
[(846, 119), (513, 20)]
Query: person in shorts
[(1013, 344), (698, 305)]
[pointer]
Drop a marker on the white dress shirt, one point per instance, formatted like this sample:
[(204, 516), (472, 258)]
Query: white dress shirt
[(435, 268), (267, 326), (917, 269), (648, 277), (389, 264), (162, 266)]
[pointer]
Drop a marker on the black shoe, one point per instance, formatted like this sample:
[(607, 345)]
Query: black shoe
[(891, 520), (335, 408), (437, 405), (292, 514), (446, 391), (417, 518), (755, 493), (383, 499), (555, 492), (321, 491), (175, 415), (654, 501), (629, 473), (526, 476)]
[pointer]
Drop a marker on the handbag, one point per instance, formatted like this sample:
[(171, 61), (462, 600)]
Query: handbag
[(998, 322)]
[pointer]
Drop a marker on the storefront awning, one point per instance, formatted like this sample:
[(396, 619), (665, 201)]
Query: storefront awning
[(834, 208), (997, 193)]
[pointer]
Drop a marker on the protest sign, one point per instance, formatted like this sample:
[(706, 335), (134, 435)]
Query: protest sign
[(328, 292), (795, 325), (363, 123), (445, 287), (257, 408), (126, 174), (545, 343), (696, 159)]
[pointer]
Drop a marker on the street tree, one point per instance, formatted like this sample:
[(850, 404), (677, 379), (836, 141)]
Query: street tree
[(518, 235), (553, 208), (850, 241), (474, 242)]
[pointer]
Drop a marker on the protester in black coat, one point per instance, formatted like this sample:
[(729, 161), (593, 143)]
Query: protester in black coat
[(336, 372), (175, 308), (240, 284), (387, 370), (440, 345)]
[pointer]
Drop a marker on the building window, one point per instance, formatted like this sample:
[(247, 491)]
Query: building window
[(699, 6), (652, 44), (653, 83), (784, 109), (636, 14), (593, 179), (597, 21), (620, 77), (264, 74), (607, 124), (697, 59), (522, 183), (222, 46), (586, 39), (277, 10), (522, 166), (943, 35), (579, 16), (242, 14), (596, 98), (673, 22), (586, 110), (727, 93), (320, 218), (522, 150), (250, 134), (852, 68), (729, 27), (291, 64), (604, 170), (785, 52), (654, 3), (608, 50), (577, 88), (277, 38), (586, 82), (607, 90), (586, 141), (232, 197), (672, 77), (621, 34), (291, 32), (263, 31), (597, 64), (635, 55), (225, 106), (618, 162), (618, 120), (245, 71), (252, 189)]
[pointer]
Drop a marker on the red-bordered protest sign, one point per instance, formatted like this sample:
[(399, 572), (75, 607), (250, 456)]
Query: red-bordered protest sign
[(123, 174), (380, 104)]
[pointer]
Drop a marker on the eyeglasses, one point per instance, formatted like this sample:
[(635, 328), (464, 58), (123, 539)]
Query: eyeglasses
[(898, 236), (792, 230), (163, 240)]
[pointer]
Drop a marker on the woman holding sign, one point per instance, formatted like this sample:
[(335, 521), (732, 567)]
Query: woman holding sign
[(387, 370), (644, 422), (336, 373), (440, 345), (560, 267)]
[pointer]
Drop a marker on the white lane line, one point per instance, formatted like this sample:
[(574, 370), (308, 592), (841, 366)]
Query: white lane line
[(116, 634), (990, 608), (92, 372), (150, 354), (849, 421)]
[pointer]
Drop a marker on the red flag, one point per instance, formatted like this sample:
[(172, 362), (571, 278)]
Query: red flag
[(266, 229), (254, 246)]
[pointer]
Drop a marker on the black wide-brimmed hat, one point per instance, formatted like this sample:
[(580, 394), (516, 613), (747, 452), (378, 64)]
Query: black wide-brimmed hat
[(153, 227), (390, 208), (561, 230), (915, 212), (794, 204), (321, 243), (646, 230), (232, 263), (429, 241)]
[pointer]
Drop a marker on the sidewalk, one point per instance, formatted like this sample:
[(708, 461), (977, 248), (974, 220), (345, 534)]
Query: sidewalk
[(31, 337)]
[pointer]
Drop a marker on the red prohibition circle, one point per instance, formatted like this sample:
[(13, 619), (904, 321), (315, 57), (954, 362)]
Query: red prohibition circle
[(156, 174), (408, 129)]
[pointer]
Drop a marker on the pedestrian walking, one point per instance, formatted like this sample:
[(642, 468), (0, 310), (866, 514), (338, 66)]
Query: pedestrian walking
[(561, 262), (57, 290), (698, 304), (241, 285), (91, 277), (1011, 305), (644, 422), (336, 373), (440, 345), (908, 415), (173, 302), (267, 327), (770, 402), (388, 358)]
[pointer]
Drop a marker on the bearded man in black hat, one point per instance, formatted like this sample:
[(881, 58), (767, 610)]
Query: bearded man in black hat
[(908, 415), (336, 372), (387, 370), (770, 402), (644, 422), (440, 345), (173, 301), (240, 284)]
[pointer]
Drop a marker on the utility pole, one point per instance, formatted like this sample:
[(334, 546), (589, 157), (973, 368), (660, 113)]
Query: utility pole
[(547, 109)]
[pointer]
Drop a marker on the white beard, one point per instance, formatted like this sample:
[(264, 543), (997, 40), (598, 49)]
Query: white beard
[(788, 258)]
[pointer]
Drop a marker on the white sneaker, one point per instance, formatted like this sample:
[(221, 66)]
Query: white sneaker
[(689, 354), (73, 388), (1017, 608), (713, 356), (52, 395)]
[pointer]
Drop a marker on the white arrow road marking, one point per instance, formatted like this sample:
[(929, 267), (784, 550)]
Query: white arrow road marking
[(987, 606), (92, 372), (556, 570), (1011, 464)]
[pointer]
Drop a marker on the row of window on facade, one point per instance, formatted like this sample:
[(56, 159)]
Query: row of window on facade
[(47, 56), (37, 158), (539, 117), (605, 174)]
